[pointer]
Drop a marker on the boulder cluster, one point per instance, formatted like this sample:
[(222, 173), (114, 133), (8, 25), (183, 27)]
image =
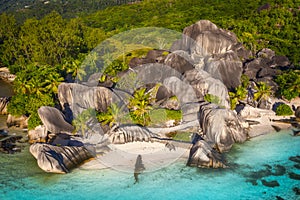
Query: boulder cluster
[(207, 60)]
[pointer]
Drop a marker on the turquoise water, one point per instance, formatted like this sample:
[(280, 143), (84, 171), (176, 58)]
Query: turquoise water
[(22, 179)]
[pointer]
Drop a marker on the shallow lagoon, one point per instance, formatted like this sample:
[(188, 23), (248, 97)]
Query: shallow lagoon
[(250, 162)]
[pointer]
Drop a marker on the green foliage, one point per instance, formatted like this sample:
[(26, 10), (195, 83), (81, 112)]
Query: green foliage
[(239, 93), (36, 8), (160, 116), (263, 91), (111, 72), (113, 116), (283, 110), (81, 121), (140, 106), (289, 84), (212, 99), (34, 87), (180, 136), (23, 104)]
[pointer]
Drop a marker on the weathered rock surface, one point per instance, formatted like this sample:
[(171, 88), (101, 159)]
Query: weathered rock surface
[(297, 112), (131, 133), (180, 61), (221, 127), (6, 75), (74, 98), (3, 105), (8, 143), (203, 83), (39, 134), (203, 155), (225, 67), (56, 159), (264, 67), (54, 120), (215, 50), (21, 121)]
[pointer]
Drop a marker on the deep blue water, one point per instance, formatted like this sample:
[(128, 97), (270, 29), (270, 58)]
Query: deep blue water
[(258, 159)]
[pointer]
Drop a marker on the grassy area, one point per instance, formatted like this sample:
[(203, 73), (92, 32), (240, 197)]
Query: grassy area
[(161, 116), (180, 136)]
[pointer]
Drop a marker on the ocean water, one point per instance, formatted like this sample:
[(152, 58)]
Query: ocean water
[(250, 163)]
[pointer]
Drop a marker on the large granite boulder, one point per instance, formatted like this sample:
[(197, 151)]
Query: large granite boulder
[(3, 105), (75, 98), (54, 120), (57, 159), (203, 155), (221, 127), (153, 56), (225, 67), (265, 65), (215, 50), (180, 61), (203, 83), (131, 133)]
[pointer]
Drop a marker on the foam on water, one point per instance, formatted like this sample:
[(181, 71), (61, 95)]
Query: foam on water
[(249, 163)]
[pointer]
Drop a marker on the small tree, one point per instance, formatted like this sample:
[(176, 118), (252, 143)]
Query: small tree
[(140, 106), (283, 110), (263, 92), (240, 93), (80, 122)]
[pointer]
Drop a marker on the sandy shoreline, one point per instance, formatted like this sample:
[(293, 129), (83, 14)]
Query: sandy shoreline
[(156, 155)]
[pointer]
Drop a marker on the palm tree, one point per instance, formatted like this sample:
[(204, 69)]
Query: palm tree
[(112, 117), (80, 122), (140, 106), (263, 92), (239, 94), (52, 81)]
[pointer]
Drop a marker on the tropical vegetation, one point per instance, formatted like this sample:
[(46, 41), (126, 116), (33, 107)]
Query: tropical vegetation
[(53, 46), (284, 110)]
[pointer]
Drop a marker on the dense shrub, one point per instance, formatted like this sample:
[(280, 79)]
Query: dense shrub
[(283, 110)]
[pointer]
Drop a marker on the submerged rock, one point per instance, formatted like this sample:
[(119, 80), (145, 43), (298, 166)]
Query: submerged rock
[(57, 159), (8, 143), (296, 190), (270, 183), (21, 121), (294, 176)]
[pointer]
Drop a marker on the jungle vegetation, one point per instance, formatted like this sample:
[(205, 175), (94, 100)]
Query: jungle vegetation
[(49, 47)]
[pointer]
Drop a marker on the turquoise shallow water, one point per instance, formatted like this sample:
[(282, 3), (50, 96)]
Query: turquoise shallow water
[(249, 162)]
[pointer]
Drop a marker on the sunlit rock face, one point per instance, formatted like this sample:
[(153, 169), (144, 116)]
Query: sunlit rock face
[(214, 50), (131, 133), (203, 155), (75, 98), (203, 83), (221, 127), (54, 120), (57, 159)]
